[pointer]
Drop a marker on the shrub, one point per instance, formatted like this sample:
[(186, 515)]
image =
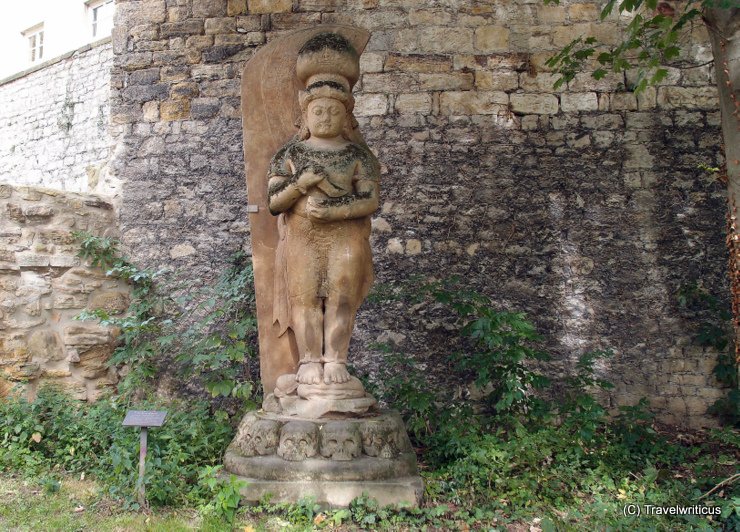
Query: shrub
[(57, 433)]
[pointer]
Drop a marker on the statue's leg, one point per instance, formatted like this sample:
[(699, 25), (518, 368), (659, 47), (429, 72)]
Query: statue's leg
[(346, 271), (306, 316)]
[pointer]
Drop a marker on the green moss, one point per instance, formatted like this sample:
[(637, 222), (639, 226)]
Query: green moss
[(327, 83), (333, 41)]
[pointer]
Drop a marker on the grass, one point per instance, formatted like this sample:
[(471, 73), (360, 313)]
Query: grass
[(77, 505)]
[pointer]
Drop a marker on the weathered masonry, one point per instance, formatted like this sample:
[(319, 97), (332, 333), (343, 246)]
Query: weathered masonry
[(584, 207), (43, 286), (54, 121)]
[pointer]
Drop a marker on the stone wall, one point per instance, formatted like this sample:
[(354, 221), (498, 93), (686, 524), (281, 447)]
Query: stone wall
[(584, 207), (54, 121), (43, 287)]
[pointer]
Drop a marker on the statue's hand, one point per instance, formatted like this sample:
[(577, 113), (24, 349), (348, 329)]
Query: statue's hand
[(317, 211), (307, 180)]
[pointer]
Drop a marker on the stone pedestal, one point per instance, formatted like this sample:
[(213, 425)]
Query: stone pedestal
[(332, 460)]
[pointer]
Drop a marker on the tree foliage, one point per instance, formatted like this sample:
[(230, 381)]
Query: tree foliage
[(651, 41)]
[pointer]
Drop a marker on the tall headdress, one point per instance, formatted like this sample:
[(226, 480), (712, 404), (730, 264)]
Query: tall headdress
[(328, 67)]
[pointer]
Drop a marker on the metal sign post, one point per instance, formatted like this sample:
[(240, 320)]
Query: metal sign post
[(143, 419)]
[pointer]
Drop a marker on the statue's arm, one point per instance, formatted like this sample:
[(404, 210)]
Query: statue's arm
[(363, 202), (284, 190)]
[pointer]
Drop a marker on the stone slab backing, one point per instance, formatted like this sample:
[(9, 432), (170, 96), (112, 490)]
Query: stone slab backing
[(43, 286), (55, 124), (583, 206)]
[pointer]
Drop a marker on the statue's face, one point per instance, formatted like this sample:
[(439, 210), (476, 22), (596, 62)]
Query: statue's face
[(326, 117)]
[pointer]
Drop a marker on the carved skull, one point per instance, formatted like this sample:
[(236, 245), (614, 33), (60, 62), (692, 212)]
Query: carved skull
[(382, 438), (257, 436), (298, 441), (341, 440)]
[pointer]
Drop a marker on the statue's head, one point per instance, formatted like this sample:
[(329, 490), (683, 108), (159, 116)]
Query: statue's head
[(328, 66), (326, 112)]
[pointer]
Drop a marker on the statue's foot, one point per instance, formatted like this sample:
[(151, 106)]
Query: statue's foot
[(309, 373), (335, 373)]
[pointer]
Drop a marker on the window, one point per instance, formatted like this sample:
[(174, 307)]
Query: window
[(101, 17), (35, 38)]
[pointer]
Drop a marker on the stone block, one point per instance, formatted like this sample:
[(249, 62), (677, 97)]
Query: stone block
[(500, 80), (111, 302), (320, 5), (64, 261), (417, 63), (442, 39), (446, 81), (145, 11), (209, 72), (552, 14), (413, 103), (184, 90), (69, 301), (413, 246), (93, 362), (623, 101), (394, 246), (182, 28), (175, 110), (371, 62), (45, 346), (404, 492), (583, 12), (387, 82), (32, 260), (579, 101), (638, 156), (236, 7), (38, 211), (175, 72), (289, 21), (540, 82), (492, 39), (86, 335), (584, 82), (181, 250), (473, 103), (602, 121), (209, 8), (221, 53), (146, 76), (78, 281), (531, 38), (145, 93), (22, 372), (534, 104), (198, 42), (430, 17), (220, 25), (688, 97), (201, 108), (371, 104), (269, 6), (249, 23)]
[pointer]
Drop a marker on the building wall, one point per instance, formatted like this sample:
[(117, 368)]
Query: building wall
[(67, 25), (55, 123), (584, 207), (43, 286)]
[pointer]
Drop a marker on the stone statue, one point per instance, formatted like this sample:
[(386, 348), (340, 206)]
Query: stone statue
[(318, 434), (323, 185)]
